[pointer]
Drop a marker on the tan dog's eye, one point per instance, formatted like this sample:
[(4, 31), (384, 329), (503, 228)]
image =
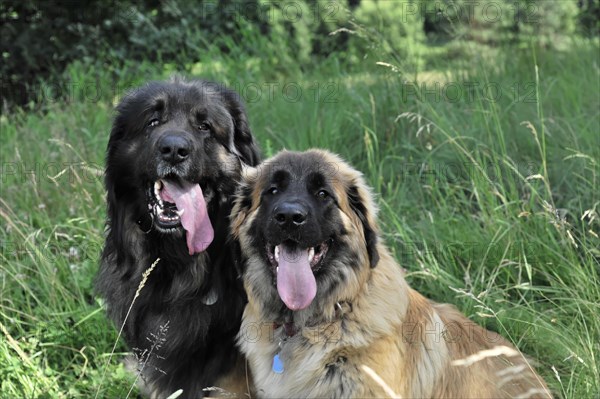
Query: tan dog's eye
[(323, 194), (273, 190), (203, 127)]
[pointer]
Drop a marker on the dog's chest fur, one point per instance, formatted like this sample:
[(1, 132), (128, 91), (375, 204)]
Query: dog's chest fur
[(328, 367)]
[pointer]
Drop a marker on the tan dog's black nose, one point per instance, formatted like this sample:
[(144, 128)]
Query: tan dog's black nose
[(290, 214)]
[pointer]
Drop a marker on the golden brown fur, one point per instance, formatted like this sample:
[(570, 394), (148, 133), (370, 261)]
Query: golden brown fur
[(407, 340)]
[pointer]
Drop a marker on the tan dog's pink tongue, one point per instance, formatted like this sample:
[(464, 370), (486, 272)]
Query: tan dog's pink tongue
[(189, 199), (296, 282)]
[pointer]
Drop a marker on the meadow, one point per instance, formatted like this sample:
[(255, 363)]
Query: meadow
[(485, 161)]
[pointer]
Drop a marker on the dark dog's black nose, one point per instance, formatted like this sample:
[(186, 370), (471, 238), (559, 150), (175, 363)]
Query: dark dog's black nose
[(290, 214), (174, 148)]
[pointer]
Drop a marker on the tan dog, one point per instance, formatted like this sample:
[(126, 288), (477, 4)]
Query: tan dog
[(329, 312)]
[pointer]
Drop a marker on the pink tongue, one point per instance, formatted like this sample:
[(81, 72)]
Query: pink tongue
[(189, 199), (296, 282)]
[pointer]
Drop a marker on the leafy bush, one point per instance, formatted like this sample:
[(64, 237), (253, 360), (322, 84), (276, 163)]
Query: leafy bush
[(500, 21), (40, 39), (589, 17)]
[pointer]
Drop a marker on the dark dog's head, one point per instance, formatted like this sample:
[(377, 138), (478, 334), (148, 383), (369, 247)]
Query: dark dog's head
[(176, 150), (305, 224)]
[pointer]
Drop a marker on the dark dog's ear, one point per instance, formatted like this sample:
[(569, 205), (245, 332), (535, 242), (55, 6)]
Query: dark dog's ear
[(361, 204), (243, 139), (115, 212)]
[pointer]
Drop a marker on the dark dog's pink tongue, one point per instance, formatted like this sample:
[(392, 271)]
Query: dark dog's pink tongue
[(296, 282), (189, 199)]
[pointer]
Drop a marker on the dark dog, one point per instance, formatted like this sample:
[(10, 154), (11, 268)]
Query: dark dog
[(329, 313), (174, 159)]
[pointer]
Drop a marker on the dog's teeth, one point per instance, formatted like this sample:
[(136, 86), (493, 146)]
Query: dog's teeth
[(277, 254), (311, 254), (180, 212), (157, 187)]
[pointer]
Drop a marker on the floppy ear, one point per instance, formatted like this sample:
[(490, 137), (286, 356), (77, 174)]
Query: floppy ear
[(362, 205), (243, 139), (243, 200), (241, 206), (115, 212)]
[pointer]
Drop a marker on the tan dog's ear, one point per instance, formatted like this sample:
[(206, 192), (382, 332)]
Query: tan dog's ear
[(249, 173), (243, 199), (362, 205)]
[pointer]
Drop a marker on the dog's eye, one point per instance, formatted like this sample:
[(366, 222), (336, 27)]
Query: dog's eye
[(323, 194), (273, 190), (153, 122), (203, 127)]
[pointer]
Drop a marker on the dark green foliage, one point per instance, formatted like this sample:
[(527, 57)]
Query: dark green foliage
[(501, 21), (40, 38), (589, 17)]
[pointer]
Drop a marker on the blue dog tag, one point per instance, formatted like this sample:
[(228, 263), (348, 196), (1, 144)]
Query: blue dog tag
[(277, 364)]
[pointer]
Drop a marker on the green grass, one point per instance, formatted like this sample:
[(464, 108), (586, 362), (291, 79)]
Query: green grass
[(490, 205)]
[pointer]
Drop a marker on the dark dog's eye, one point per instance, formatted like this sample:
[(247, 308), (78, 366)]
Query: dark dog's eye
[(323, 194), (204, 127), (273, 190), (153, 122)]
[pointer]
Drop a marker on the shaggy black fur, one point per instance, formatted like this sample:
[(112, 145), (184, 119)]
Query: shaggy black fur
[(185, 340)]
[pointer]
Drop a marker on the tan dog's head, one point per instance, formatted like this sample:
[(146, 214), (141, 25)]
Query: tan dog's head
[(305, 223)]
